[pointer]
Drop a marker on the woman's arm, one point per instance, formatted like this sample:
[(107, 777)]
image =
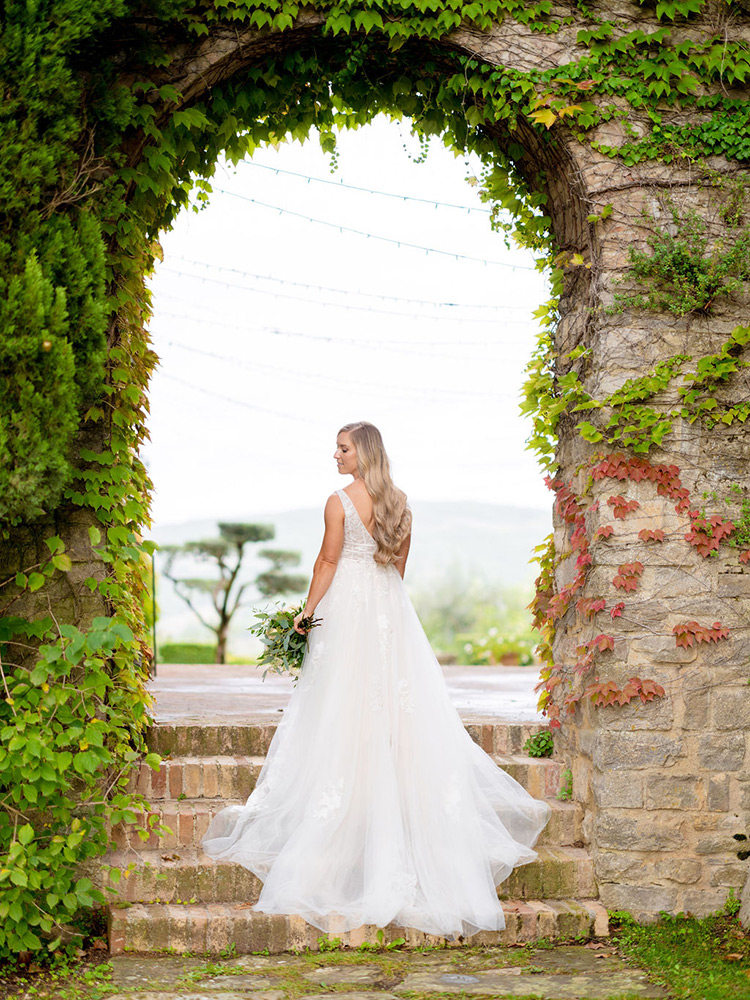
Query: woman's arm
[(402, 555), (328, 557)]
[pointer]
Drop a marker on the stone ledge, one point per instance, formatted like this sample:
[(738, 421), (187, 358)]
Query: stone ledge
[(209, 928), (557, 873)]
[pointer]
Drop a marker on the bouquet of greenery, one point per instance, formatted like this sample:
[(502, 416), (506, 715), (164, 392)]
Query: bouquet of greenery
[(284, 648)]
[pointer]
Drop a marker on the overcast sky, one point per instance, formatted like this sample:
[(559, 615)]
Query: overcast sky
[(274, 330)]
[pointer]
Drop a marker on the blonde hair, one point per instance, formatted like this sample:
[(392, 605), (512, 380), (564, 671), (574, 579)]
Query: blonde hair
[(392, 518)]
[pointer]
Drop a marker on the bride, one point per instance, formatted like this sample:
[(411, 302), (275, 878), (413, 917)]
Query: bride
[(374, 804)]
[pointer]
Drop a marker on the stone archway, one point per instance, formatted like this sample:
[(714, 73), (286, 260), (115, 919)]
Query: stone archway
[(661, 781)]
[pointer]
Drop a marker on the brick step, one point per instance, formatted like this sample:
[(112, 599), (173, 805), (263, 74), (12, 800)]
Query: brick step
[(228, 777), (216, 926), (207, 740), (188, 820), (187, 875)]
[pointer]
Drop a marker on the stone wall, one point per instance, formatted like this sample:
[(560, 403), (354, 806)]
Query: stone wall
[(666, 784)]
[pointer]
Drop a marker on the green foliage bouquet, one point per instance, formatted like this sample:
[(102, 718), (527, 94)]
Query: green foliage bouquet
[(284, 648)]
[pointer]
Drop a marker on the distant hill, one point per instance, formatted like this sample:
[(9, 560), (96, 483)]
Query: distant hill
[(471, 540)]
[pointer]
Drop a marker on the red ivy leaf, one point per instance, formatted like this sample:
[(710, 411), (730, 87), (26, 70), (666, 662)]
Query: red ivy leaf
[(688, 633), (602, 642), (621, 506), (604, 532), (588, 606), (616, 611), (651, 535), (745, 556)]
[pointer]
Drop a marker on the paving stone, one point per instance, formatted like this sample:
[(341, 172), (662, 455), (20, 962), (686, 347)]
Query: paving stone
[(350, 996), (334, 975), (197, 995), (239, 981), (576, 958), (517, 983), (147, 970)]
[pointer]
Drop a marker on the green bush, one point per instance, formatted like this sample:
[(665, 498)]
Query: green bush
[(187, 652), (478, 622)]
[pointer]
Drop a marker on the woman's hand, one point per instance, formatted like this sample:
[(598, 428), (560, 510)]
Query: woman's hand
[(302, 615)]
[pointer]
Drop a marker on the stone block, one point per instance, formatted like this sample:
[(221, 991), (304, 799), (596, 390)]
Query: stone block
[(620, 831), (686, 871), (677, 583), (191, 778), (717, 798), (745, 908), (619, 790), (672, 791), (660, 649), (730, 875), (734, 585), (645, 903), (174, 781), (210, 775), (731, 708), (619, 866), (696, 708), (657, 714), (702, 902), (633, 751), (724, 753), (718, 844)]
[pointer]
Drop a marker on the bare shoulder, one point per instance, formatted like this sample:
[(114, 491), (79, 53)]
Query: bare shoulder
[(333, 507)]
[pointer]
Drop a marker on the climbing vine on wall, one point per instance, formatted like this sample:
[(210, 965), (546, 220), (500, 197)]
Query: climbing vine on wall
[(85, 192)]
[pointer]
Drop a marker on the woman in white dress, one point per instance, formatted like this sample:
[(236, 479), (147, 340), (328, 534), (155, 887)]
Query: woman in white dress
[(374, 804)]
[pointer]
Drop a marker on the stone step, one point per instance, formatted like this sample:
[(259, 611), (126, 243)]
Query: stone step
[(230, 777), (188, 876), (207, 739), (187, 821), (211, 928)]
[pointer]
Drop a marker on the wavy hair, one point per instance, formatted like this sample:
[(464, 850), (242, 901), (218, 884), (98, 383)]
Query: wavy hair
[(391, 515)]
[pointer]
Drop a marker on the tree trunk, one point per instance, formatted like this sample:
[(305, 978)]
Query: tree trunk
[(221, 642)]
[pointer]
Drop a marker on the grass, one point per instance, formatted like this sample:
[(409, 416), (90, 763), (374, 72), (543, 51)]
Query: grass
[(695, 959)]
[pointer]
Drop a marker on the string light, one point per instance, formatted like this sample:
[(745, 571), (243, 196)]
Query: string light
[(374, 236), (344, 291), (354, 187), (400, 390), (339, 305), (395, 346)]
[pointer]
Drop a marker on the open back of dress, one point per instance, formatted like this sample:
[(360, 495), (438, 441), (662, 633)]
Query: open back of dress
[(374, 805)]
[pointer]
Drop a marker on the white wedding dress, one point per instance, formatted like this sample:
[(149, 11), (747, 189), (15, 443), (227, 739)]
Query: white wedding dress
[(375, 805)]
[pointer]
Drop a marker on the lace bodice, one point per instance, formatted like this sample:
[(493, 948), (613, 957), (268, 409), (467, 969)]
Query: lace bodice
[(359, 544)]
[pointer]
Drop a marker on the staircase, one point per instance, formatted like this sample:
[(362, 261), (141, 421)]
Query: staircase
[(176, 898)]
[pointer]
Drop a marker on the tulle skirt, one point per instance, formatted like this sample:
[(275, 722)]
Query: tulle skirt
[(374, 804)]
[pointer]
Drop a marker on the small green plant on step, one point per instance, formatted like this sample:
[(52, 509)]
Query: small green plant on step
[(329, 944), (541, 744), (566, 785), (732, 905)]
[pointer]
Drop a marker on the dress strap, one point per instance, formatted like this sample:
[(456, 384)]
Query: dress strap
[(344, 498)]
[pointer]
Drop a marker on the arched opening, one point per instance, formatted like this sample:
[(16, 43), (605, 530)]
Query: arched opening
[(270, 326), (266, 99)]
